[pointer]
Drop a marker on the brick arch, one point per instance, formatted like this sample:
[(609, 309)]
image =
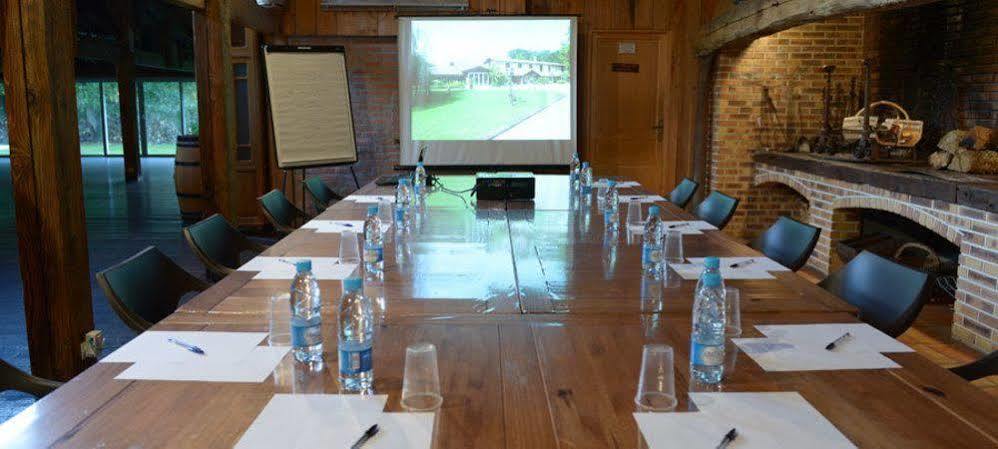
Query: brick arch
[(779, 178), (922, 217)]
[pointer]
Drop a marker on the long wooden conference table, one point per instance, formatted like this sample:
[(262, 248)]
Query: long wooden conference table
[(539, 323)]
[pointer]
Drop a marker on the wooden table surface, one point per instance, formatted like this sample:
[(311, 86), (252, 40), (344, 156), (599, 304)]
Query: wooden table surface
[(539, 325)]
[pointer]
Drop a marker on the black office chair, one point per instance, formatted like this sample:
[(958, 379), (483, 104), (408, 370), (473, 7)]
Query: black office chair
[(978, 369), (788, 242), (322, 195), (717, 209), (283, 215), (683, 193), (219, 245), (887, 294), (12, 378), (147, 287)]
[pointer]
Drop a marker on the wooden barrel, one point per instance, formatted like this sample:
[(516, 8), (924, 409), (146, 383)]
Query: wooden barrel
[(187, 177)]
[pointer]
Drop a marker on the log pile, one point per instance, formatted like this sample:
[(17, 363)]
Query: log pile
[(970, 151)]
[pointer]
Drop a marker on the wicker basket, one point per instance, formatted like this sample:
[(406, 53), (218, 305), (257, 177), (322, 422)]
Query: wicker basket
[(893, 132)]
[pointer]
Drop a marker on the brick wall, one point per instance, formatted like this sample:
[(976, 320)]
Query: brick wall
[(767, 94), (833, 208), (372, 70)]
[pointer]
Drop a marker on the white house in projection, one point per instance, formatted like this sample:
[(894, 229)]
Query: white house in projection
[(519, 71)]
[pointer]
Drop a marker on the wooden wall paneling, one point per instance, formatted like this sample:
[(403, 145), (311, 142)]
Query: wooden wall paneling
[(216, 102), (250, 144), (306, 13), (47, 182), (125, 72)]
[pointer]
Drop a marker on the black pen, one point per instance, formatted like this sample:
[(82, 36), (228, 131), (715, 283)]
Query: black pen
[(743, 263), (371, 431), (835, 342), (186, 346), (728, 438)]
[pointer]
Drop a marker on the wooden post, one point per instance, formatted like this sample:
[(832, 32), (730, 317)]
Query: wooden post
[(216, 102), (39, 38), (127, 90)]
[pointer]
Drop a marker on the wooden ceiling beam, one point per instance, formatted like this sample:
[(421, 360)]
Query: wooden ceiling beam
[(250, 15), (189, 4)]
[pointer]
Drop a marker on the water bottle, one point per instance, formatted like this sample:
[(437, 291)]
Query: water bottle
[(611, 218), (586, 179), (651, 243), (356, 318), (306, 314), (403, 195), (707, 340), (419, 183), (601, 188), (374, 255), (573, 169)]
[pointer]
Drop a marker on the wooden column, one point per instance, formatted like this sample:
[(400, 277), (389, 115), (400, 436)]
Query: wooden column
[(39, 37), (216, 102), (126, 89)]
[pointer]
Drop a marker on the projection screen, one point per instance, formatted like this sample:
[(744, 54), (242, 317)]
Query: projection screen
[(487, 90)]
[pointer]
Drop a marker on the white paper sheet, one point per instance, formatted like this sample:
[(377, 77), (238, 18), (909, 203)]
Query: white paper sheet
[(335, 421), (687, 228), (254, 366), (691, 271), (335, 226), (780, 355), (640, 198), (863, 337), (370, 199), (323, 268), (763, 420), (627, 184), (154, 346), (757, 263)]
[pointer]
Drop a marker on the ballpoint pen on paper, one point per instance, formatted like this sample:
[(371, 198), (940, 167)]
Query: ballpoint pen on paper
[(186, 346), (371, 431), (743, 263), (728, 438), (837, 341)]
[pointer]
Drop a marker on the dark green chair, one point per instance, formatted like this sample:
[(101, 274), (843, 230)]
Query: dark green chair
[(983, 367), (283, 215), (888, 295), (219, 245), (12, 378), (717, 209), (322, 195), (788, 242), (147, 287), (683, 193)]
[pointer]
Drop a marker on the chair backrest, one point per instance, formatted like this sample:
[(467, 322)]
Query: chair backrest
[(888, 295), (717, 209), (683, 193), (12, 378), (280, 212), (788, 242), (983, 367), (218, 244), (147, 287), (322, 195)]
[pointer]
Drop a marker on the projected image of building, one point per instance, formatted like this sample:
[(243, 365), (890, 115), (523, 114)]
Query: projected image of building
[(500, 72)]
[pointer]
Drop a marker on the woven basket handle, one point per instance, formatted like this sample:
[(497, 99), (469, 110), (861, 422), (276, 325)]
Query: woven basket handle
[(885, 102)]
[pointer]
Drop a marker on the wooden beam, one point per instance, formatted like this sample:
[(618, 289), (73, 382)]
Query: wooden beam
[(216, 102), (48, 182), (754, 18), (125, 71), (251, 15), (196, 5)]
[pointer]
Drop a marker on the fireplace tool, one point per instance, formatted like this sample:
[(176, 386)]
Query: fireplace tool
[(828, 141), (864, 146)]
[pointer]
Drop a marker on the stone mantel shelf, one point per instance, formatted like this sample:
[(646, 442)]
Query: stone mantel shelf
[(965, 190)]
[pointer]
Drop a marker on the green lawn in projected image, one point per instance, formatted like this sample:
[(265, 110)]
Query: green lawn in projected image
[(478, 114)]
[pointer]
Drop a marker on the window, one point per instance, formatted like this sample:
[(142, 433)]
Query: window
[(4, 139)]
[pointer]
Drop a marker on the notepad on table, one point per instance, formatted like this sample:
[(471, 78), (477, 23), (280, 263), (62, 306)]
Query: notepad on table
[(335, 226), (690, 271), (371, 199), (640, 198), (323, 268), (745, 262), (802, 347)]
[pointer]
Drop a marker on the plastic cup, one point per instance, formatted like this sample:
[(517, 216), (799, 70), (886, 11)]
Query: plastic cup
[(634, 218), (732, 312), (672, 253), (421, 380), (386, 215), (349, 248), (657, 385), (279, 318)]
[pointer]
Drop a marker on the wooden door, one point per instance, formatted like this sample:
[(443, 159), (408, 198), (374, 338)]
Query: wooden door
[(626, 106)]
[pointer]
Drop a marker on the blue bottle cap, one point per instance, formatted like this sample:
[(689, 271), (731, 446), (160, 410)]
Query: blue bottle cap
[(611, 183), (403, 181), (712, 262), (372, 210), (352, 284), (419, 164), (653, 211), (302, 266), (712, 280), (585, 165)]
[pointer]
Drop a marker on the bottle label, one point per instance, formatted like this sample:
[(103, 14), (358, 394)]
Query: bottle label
[(399, 214), (373, 254), (651, 254), (306, 333), (586, 190), (355, 362), (707, 355)]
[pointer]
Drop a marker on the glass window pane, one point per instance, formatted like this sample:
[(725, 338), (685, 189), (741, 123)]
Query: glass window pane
[(88, 113), (113, 108), (190, 107), (4, 139), (162, 102)]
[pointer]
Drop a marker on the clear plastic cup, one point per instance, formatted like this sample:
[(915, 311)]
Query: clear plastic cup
[(386, 215), (349, 248), (657, 385), (672, 254), (732, 312), (634, 218), (421, 380), (279, 320)]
